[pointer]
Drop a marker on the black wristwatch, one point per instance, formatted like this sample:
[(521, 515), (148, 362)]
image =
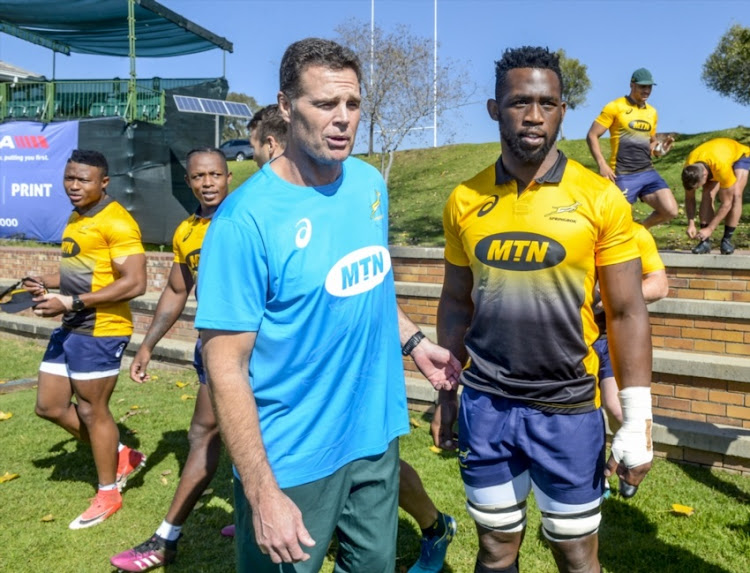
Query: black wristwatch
[(77, 305)]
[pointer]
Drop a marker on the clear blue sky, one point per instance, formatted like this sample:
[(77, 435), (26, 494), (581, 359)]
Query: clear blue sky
[(670, 37)]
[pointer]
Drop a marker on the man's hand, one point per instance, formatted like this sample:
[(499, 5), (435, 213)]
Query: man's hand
[(437, 364), (606, 171), (691, 230), (441, 427), (279, 528), (52, 304), (631, 476), (139, 365), (34, 285), (703, 234)]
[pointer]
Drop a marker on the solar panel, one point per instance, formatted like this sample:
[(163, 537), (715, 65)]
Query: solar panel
[(191, 104)]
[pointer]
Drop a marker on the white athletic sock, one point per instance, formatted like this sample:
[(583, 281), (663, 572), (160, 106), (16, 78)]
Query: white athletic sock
[(120, 446), (108, 487), (168, 531)]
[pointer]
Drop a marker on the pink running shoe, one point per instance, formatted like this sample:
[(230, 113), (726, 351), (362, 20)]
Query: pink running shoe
[(151, 554)]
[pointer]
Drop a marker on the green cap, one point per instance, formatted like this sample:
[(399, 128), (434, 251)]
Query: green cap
[(643, 77)]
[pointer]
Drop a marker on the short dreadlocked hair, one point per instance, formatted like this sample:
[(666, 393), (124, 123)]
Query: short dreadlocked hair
[(525, 57)]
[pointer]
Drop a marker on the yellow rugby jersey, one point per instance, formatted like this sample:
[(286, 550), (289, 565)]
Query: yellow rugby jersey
[(650, 258), (719, 155), (89, 244), (630, 131), (533, 257), (187, 241), (650, 263)]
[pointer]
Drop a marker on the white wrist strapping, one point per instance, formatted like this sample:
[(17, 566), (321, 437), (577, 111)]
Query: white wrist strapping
[(632, 443)]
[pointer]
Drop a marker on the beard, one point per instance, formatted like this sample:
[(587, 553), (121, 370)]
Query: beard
[(531, 156)]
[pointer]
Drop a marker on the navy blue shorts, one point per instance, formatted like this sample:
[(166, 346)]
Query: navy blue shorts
[(198, 361), (500, 439), (83, 357), (742, 163), (635, 185), (601, 346)]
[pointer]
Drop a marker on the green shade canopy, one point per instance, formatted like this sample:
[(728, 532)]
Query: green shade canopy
[(101, 27)]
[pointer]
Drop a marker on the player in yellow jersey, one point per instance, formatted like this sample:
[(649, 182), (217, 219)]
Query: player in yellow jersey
[(102, 267), (631, 122), (720, 166), (525, 241), (208, 176)]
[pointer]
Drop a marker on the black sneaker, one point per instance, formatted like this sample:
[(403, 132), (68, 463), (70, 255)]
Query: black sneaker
[(156, 552), (703, 248), (727, 248)]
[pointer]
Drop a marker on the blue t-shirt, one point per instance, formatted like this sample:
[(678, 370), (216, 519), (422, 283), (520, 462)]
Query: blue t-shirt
[(308, 269)]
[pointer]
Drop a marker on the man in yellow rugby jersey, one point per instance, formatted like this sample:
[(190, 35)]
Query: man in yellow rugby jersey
[(103, 266), (526, 239), (208, 177), (631, 122), (720, 166)]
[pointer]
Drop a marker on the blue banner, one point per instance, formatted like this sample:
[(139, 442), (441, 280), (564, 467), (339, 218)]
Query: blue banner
[(33, 203)]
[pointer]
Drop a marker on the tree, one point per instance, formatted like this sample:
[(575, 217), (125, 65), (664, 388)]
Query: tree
[(236, 127), (727, 69), (576, 83), (399, 94)]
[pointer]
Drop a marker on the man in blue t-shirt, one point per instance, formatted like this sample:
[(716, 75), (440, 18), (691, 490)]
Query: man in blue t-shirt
[(302, 336)]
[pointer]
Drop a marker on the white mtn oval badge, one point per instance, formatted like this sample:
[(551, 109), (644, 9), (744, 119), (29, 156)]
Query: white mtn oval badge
[(358, 271)]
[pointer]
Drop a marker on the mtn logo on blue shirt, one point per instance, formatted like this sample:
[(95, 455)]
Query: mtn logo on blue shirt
[(358, 271)]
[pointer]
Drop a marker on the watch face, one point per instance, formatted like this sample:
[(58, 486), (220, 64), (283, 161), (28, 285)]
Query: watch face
[(77, 304)]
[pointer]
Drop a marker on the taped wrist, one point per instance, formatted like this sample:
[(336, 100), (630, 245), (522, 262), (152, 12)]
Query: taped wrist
[(632, 443)]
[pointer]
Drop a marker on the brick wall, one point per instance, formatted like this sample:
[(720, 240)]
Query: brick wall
[(16, 262), (720, 402), (715, 336), (709, 284)]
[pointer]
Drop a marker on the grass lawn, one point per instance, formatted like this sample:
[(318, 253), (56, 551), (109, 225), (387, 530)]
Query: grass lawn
[(56, 477)]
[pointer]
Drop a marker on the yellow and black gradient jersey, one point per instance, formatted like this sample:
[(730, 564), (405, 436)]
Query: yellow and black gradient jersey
[(719, 155), (90, 243), (533, 256), (650, 263), (187, 241), (630, 131)]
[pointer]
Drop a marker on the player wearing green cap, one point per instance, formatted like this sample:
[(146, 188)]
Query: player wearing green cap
[(631, 122)]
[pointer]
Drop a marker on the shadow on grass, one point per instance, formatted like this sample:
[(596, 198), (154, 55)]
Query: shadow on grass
[(706, 477), (628, 544), (77, 465)]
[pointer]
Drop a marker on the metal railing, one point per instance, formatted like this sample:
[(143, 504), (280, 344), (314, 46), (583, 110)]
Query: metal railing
[(77, 99)]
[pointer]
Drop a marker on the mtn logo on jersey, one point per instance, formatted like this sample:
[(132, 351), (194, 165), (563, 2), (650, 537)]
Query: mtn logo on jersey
[(24, 142), (192, 259), (519, 251), (69, 248), (640, 125), (359, 271)]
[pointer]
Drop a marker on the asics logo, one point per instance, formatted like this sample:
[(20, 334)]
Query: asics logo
[(304, 233)]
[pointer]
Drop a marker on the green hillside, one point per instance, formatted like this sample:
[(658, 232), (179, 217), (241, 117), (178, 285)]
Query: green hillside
[(422, 179)]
